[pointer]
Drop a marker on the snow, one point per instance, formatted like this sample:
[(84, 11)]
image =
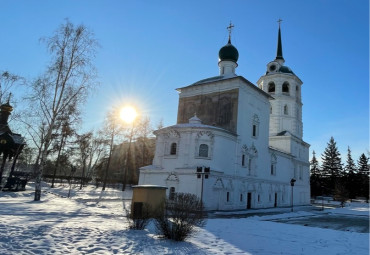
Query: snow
[(93, 222)]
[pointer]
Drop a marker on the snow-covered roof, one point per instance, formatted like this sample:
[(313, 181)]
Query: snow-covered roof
[(196, 125), (226, 77)]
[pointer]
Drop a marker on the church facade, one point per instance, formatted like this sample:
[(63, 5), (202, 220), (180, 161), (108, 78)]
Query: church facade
[(236, 145)]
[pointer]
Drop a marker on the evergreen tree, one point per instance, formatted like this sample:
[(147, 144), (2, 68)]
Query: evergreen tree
[(331, 163), (363, 176), (350, 164), (363, 165), (315, 168), (351, 179), (315, 178)]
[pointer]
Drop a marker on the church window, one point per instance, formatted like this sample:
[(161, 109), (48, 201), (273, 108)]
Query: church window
[(285, 87), (255, 125), (203, 150), (270, 109), (172, 193), (271, 87), (173, 149), (241, 197), (227, 196), (285, 109), (243, 160), (259, 198), (273, 164), (250, 165)]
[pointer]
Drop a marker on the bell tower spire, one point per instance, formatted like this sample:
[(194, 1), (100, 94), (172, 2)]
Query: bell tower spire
[(279, 52)]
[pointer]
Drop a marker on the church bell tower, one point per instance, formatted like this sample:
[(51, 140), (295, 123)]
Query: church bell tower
[(285, 88)]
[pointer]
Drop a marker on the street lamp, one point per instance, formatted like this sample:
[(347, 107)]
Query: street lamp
[(202, 172), (128, 114), (292, 181)]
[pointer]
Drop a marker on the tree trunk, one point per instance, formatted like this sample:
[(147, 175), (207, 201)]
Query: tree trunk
[(110, 155), (57, 163)]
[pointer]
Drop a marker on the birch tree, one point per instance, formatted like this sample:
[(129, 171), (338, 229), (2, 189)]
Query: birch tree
[(66, 83)]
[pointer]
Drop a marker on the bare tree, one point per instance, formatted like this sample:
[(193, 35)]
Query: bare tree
[(112, 131), (7, 84), (65, 84), (84, 146)]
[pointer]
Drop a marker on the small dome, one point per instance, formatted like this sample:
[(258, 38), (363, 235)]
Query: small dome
[(195, 120), (285, 69), (228, 52)]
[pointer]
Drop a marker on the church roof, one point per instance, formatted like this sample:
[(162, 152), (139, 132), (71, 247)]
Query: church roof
[(197, 125), (223, 78), (279, 51)]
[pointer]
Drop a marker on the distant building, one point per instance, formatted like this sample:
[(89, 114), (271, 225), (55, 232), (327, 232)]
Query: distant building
[(236, 145)]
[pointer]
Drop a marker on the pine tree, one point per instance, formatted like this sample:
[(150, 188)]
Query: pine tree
[(363, 165), (315, 179), (363, 176), (350, 164), (351, 179), (315, 168), (331, 163)]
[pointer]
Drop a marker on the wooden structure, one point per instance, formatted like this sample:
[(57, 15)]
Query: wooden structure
[(148, 197), (11, 145)]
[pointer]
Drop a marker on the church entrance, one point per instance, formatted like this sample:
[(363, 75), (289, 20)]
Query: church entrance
[(249, 200), (275, 203)]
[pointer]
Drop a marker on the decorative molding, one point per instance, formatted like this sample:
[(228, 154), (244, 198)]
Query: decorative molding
[(208, 133), (172, 134), (219, 184), (172, 177)]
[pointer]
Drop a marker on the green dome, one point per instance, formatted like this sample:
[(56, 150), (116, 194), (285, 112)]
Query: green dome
[(285, 69), (228, 52)]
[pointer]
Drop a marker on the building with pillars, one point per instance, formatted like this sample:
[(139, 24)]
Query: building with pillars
[(236, 145)]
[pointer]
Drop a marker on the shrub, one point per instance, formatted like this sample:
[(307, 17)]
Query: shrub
[(182, 214)]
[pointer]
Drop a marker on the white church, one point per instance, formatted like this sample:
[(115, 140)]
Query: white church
[(236, 145)]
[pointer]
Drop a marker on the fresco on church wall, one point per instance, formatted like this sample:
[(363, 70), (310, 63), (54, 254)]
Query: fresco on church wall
[(216, 109)]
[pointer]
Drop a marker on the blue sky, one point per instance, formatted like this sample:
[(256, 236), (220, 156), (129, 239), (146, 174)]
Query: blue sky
[(150, 48)]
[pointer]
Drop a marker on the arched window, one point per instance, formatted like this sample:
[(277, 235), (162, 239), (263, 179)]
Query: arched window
[(172, 193), (243, 160), (173, 149), (285, 109), (255, 125), (203, 150), (273, 164), (271, 88), (270, 109), (285, 87)]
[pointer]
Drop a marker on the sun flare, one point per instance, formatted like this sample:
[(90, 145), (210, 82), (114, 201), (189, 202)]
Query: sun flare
[(128, 114)]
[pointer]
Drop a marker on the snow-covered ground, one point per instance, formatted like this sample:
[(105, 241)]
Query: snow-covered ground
[(92, 222)]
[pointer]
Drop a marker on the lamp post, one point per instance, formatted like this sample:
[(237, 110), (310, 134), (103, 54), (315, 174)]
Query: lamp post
[(292, 181), (202, 172)]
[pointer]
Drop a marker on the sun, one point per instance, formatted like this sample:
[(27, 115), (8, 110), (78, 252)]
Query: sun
[(128, 114)]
